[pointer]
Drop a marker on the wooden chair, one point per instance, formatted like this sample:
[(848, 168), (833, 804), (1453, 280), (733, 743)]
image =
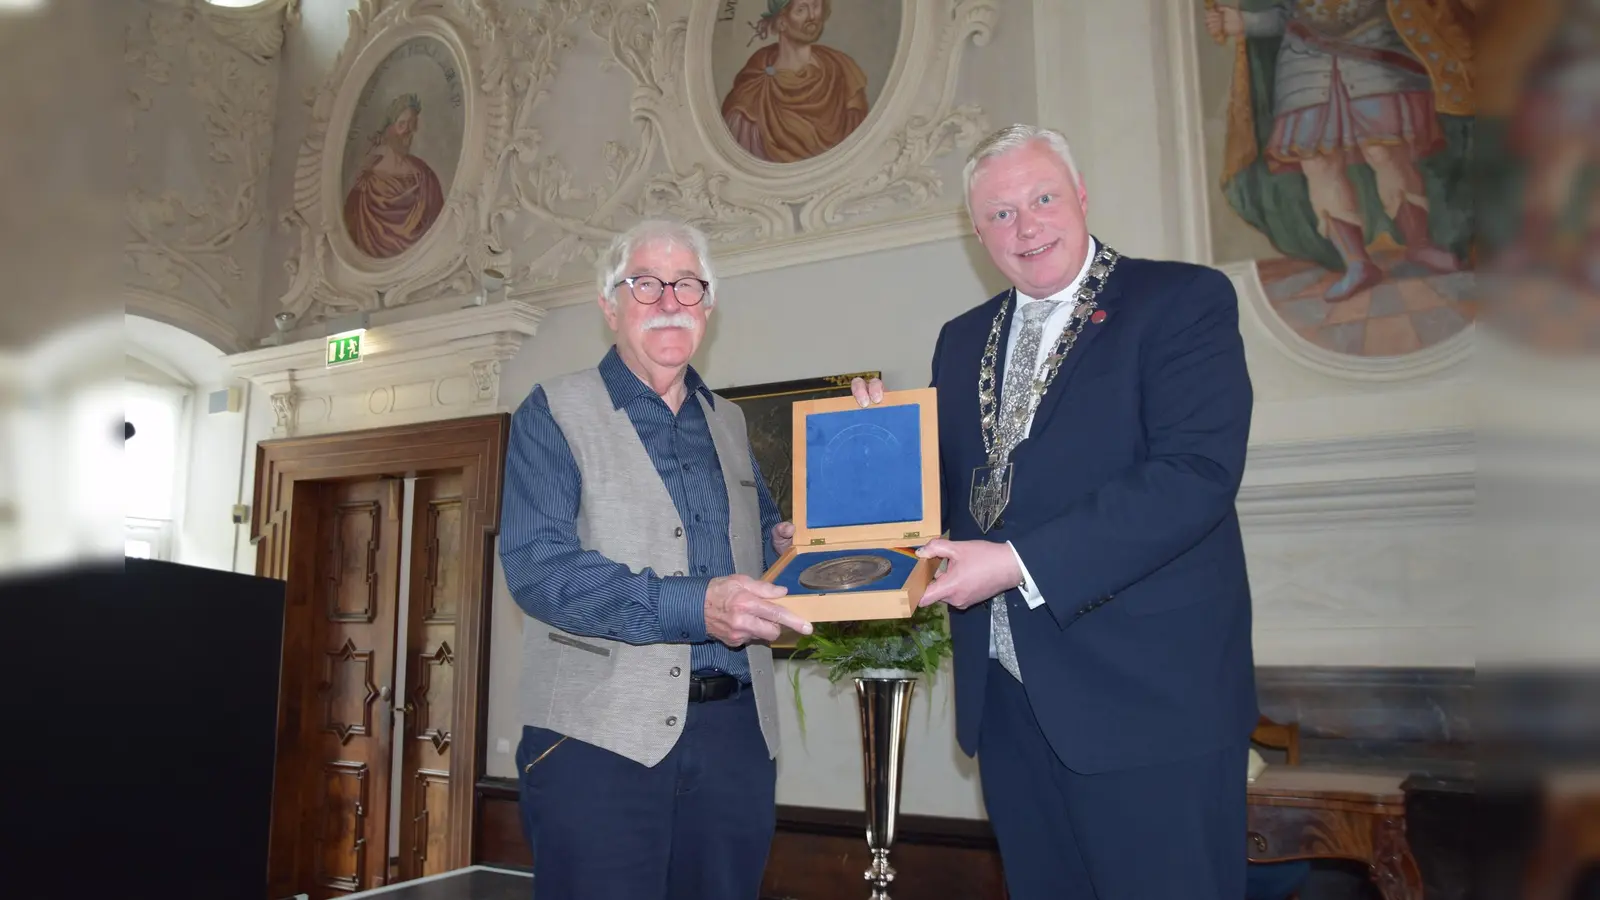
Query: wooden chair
[(1277, 736)]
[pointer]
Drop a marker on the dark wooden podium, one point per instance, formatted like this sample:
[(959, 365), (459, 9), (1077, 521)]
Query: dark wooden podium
[(142, 707)]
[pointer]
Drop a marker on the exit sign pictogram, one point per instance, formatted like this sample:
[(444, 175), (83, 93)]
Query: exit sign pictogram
[(344, 349)]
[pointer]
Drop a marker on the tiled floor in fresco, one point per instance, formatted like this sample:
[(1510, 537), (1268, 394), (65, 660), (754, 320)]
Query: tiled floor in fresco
[(1411, 310)]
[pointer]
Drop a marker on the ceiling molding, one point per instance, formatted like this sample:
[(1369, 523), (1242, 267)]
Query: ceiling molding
[(517, 205), (1407, 477), (909, 232)]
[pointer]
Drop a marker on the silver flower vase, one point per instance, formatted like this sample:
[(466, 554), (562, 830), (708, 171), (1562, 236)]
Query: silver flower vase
[(884, 700)]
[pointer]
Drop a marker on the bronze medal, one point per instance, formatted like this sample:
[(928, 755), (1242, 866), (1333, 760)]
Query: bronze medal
[(844, 573)]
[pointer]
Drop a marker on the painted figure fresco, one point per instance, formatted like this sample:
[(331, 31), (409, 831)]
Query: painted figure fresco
[(1538, 149), (396, 196), (1547, 85), (795, 98), (1349, 124)]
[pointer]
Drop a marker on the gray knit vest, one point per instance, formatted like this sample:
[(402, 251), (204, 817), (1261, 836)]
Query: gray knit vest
[(626, 698)]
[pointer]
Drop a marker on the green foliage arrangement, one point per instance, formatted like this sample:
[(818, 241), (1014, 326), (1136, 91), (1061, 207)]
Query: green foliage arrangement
[(917, 645)]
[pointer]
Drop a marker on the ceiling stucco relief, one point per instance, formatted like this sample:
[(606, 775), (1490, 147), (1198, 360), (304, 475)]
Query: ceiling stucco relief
[(202, 93), (537, 204)]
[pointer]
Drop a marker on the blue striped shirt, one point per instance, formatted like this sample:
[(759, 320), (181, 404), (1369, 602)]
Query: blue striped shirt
[(554, 579)]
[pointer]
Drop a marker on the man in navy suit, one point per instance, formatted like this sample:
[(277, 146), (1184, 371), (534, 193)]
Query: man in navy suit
[(1092, 430)]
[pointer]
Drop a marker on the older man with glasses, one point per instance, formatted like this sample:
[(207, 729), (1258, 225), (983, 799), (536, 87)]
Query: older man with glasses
[(635, 528)]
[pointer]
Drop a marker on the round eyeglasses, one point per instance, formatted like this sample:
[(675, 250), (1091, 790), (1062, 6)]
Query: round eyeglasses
[(647, 289)]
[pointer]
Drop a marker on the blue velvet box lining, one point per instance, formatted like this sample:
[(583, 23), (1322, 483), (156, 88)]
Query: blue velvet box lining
[(864, 466), (901, 562)]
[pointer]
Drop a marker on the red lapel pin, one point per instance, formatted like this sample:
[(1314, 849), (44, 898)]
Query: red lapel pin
[(1098, 317)]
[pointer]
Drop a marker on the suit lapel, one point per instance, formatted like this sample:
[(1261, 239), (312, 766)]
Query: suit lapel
[(1092, 329)]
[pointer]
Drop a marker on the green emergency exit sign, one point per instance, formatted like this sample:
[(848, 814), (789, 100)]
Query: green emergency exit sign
[(344, 349)]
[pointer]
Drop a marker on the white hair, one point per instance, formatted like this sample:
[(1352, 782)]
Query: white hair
[(613, 265), (1010, 138)]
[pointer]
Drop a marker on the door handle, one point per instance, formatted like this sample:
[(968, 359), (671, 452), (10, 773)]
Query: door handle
[(387, 696)]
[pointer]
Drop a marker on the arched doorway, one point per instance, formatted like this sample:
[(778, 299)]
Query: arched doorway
[(185, 452)]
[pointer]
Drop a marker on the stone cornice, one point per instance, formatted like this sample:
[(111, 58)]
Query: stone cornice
[(423, 369), (1410, 477)]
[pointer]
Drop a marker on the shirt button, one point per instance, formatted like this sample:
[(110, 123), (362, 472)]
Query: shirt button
[(672, 720), (686, 467), (676, 671), (702, 570), (678, 532), (679, 572)]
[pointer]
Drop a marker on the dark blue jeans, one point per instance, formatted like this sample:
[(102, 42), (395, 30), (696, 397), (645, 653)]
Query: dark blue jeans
[(696, 826)]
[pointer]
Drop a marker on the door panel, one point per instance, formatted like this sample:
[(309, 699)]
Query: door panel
[(436, 583), (345, 812), (358, 579)]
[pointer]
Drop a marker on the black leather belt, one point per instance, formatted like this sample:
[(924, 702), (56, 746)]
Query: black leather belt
[(705, 688)]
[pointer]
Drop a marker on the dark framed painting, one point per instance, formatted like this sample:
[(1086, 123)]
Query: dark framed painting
[(769, 418)]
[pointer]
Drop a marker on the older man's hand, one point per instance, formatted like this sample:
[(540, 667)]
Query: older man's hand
[(867, 392), (739, 611), (974, 571)]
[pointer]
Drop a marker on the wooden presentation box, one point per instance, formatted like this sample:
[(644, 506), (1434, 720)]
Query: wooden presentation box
[(866, 486)]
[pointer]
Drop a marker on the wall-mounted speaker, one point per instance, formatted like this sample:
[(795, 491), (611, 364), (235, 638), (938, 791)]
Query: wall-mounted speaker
[(229, 400)]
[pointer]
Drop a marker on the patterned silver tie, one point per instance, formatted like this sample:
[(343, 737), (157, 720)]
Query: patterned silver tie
[(1014, 405)]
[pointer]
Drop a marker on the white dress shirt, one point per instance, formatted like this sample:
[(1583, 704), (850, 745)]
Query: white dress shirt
[(1047, 344)]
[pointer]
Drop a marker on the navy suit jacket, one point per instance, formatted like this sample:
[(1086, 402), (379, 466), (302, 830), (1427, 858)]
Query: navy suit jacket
[(1122, 509)]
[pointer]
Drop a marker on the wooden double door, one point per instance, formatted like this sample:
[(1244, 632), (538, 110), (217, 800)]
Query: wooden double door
[(381, 728), (383, 653)]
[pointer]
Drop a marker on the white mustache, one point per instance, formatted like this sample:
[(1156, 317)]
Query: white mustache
[(675, 320)]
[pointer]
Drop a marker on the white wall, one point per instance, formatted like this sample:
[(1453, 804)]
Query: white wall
[(1354, 500), (211, 465), (1104, 79), (208, 537)]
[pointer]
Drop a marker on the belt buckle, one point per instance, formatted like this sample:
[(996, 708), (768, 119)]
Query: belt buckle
[(712, 688)]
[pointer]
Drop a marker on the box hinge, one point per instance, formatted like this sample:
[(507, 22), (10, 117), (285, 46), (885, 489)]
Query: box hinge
[(816, 541), (912, 534)]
